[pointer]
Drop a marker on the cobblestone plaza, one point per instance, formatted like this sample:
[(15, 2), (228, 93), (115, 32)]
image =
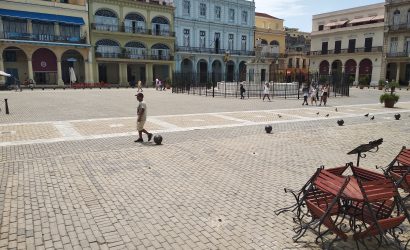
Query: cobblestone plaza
[(71, 176)]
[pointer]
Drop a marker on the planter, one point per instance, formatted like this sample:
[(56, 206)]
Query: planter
[(361, 86), (380, 87), (389, 103)]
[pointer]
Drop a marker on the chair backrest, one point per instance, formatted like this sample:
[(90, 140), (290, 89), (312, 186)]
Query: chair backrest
[(378, 190), (404, 157), (337, 170), (365, 174), (329, 182), (404, 183)]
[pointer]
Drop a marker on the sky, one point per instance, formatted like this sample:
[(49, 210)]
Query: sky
[(298, 13)]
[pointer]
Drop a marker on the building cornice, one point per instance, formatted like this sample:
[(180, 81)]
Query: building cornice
[(137, 4)]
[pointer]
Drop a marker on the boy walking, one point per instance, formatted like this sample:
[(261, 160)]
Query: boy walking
[(142, 118)]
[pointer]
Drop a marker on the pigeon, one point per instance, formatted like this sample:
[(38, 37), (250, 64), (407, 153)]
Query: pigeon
[(279, 116), (327, 115), (336, 109), (372, 118), (366, 115), (317, 113)]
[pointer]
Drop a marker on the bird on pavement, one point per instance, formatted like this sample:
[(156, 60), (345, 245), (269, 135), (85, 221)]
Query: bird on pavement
[(327, 115), (336, 109), (372, 118), (317, 113), (279, 116), (366, 115)]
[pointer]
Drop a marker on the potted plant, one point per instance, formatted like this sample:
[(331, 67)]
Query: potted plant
[(393, 85), (168, 83), (364, 81), (389, 99), (351, 80), (381, 84)]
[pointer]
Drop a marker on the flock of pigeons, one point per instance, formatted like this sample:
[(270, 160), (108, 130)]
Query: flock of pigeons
[(327, 115)]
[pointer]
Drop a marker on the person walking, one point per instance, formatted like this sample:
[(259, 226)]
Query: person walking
[(242, 90), (139, 86), (142, 118), (305, 90), (313, 93), (266, 91), (324, 95)]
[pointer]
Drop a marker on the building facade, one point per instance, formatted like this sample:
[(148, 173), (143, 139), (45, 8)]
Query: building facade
[(297, 50), (42, 40), (397, 42), (349, 41), (132, 40), (214, 37), (270, 35)]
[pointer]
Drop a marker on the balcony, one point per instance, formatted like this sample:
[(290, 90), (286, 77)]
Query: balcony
[(398, 27), (132, 30), (346, 51), (42, 37), (398, 54), (134, 56), (214, 51)]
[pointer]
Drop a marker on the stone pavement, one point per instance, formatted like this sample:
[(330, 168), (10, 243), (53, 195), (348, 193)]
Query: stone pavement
[(72, 177)]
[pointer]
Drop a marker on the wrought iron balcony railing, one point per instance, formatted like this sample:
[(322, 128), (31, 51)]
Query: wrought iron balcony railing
[(133, 30), (398, 27), (42, 37), (214, 51), (345, 51), (134, 56), (398, 54)]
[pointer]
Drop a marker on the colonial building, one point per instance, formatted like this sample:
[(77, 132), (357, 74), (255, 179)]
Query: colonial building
[(349, 41), (297, 50), (41, 40), (397, 41), (270, 35), (132, 40), (214, 36)]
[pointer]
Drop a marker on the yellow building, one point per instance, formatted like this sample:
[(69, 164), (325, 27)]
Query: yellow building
[(269, 34), (42, 40), (132, 40)]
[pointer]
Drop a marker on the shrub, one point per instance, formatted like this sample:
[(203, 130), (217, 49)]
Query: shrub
[(387, 97)]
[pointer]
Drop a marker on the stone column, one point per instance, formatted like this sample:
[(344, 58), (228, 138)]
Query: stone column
[(123, 74), (89, 67), (2, 78), (59, 74), (56, 29), (148, 74), (170, 71), (29, 26), (30, 69), (1, 27), (398, 73), (356, 77)]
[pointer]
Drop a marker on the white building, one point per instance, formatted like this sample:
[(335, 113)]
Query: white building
[(349, 41), (214, 36)]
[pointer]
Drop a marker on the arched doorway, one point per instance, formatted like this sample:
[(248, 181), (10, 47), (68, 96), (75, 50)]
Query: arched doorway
[(15, 64), (216, 71), (350, 70), (72, 59), (391, 71), (337, 67), (45, 67), (365, 70), (324, 68), (230, 71), (242, 71), (186, 66), (202, 69)]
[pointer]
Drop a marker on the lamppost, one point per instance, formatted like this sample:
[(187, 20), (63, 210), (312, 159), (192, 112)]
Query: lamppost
[(226, 60)]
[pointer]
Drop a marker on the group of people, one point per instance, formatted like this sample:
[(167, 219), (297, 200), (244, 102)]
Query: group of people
[(314, 95), (265, 91), (159, 85)]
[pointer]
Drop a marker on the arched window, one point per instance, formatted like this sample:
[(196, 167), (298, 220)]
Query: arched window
[(264, 42), (160, 51), (106, 20), (134, 23), (396, 17), (274, 43), (136, 50), (160, 26), (108, 48)]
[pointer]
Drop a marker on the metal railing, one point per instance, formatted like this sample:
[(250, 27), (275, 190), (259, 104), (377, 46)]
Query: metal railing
[(133, 30), (214, 51), (398, 54), (126, 55), (345, 51), (398, 27), (42, 37)]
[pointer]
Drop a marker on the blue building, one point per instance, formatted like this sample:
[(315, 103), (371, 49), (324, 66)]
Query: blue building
[(214, 36)]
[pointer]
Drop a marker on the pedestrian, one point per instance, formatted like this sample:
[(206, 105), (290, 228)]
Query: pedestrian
[(142, 118), (266, 91), (139, 86), (305, 90), (242, 90), (324, 95), (156, 84), (313, 93)]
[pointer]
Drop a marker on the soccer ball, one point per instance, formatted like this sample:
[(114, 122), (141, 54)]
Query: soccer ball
[(158, 139)]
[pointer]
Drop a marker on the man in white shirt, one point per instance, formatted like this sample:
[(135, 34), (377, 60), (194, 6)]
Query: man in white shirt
[(142, 118)]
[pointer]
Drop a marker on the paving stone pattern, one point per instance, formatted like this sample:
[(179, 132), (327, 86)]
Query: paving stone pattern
[(213, 184)]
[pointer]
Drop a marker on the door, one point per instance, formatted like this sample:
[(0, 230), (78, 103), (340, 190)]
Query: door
[(102, 73), (14, 74), (407, 72)]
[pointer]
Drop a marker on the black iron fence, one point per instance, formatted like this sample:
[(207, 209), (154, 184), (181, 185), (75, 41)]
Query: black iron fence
[(221, 85)]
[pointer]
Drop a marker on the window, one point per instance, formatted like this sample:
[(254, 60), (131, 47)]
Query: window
[(243, 43), (202, 39), (338, 47), (408, 17), (290, 62), (10, 56), (14, 26), (368, 43), (217, 12), (230, 42), (244, 17), (321, 27), (407, 45), (186, 8), (202, 10), (324, 48), (297, 62), (217, 42), (72, 31), (186, 38), (396, 17), (44, 31), (231, 15), (393, 44), (352, 46), (304, 63)]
